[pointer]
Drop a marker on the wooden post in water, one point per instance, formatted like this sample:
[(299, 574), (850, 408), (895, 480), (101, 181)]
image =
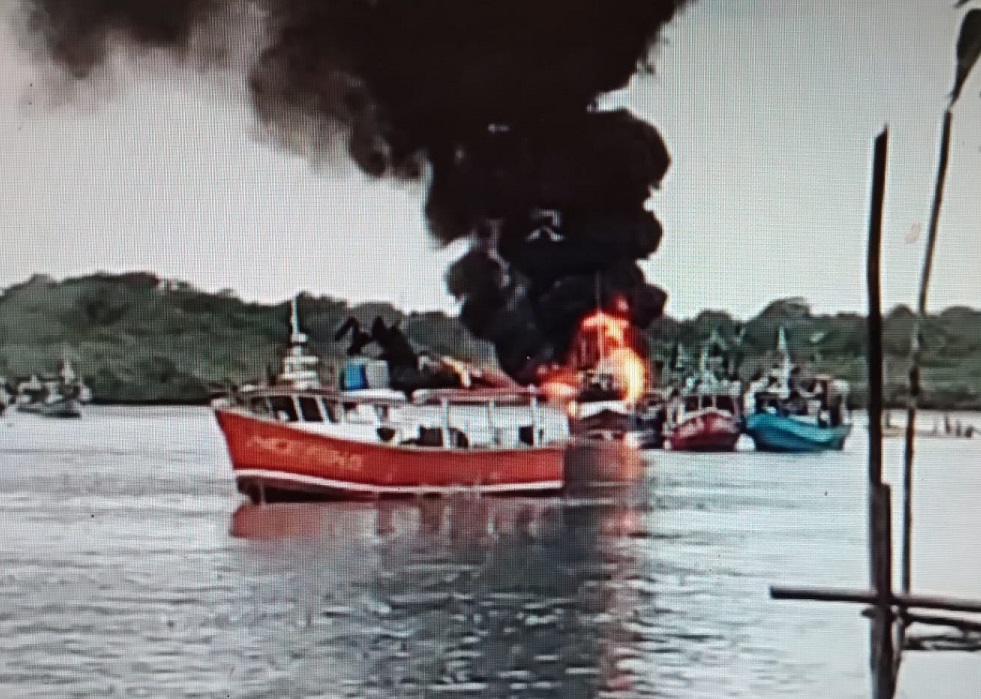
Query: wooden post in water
[(880, 509), (874, 323), (914, 369)]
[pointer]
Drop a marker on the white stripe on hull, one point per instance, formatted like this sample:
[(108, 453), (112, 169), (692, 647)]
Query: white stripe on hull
[(352, 487)]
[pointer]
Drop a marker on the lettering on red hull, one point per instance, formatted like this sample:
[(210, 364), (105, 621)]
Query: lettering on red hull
[(315, 454)]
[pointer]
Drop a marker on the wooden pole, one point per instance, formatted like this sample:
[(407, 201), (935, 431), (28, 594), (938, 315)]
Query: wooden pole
[(874, 323), (880, 500), (914, 370), (938, 197), (883, 648)]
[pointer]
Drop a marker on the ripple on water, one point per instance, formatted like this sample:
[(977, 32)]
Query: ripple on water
[(120, 577)]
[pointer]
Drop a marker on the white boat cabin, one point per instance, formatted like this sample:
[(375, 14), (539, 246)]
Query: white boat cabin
[(440, 418)]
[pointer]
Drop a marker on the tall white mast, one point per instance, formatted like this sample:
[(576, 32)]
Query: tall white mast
[(296, 336), (785, 367)]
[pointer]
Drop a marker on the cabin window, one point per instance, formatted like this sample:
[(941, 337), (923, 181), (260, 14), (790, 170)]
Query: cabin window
[(309, 409), (332, 411), (283, 408), (259, 406), (526, 435), (726, 403), (691, 404)]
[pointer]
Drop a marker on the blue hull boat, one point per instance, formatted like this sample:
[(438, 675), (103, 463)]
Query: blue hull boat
[(781, 433)]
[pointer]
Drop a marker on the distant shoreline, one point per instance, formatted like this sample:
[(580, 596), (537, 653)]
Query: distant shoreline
[(140, 340)]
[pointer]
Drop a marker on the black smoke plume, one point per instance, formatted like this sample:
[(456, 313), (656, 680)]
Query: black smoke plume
[(492, 100)]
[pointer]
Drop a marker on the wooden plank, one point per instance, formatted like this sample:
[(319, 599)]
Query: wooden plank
[(853, 596)]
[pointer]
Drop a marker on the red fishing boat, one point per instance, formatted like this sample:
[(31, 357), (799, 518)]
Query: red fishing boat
[(320, 442), (298, 439), (705, 423), (706, 415)]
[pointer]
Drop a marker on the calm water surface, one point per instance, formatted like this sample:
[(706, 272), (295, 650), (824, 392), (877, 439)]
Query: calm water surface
[(130, 567)]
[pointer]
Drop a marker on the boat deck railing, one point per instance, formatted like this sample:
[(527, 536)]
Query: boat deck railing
[(472, 419)]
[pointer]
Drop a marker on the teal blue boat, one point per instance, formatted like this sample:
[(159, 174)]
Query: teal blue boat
[(792, 415), (785, 433)]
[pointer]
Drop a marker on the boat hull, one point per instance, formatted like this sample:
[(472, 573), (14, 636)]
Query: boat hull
[(619, 426), (67, 408), (274, 461), (777, 433), (709, 431)]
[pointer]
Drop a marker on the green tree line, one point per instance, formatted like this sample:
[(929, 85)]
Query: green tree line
[(137, 338)]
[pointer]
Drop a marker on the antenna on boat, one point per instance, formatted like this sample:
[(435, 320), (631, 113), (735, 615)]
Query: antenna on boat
[(296, 336)]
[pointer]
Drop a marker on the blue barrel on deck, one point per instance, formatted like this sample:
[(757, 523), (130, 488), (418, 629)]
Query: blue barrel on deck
[(354, 377)]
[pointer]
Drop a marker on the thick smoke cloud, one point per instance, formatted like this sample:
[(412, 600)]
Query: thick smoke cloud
[(491, 100)]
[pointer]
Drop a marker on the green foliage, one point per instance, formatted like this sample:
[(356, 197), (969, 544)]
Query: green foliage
[(137, 338), (836, 344)]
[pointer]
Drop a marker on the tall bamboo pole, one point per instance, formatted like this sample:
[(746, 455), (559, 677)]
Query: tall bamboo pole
[(882, 655), (968, 51), (915, 348)]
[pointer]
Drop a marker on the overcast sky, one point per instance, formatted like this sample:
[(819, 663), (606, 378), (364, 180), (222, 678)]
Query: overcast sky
[(769, 110)]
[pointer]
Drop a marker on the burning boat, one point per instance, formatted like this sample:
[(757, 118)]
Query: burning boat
[(417, 429), (606, 385)]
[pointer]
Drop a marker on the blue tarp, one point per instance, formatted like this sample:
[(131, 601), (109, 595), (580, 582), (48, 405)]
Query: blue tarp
[(353, 377)]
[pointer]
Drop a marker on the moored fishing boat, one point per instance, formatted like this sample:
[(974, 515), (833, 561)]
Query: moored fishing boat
[(600, 413), (704, 422), (285, 442), (297, 438), (705, 415), (794, 415), (58, 396), (792, 434)]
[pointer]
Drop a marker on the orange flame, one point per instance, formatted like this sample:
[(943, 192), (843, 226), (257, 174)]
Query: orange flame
[(608, 328), (603, 346), (560, 384), (630, 370)]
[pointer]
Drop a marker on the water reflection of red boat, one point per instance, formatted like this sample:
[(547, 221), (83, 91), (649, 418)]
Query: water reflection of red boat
[(467, 577)]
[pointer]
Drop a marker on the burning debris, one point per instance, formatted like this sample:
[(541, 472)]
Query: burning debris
[(494, 101)]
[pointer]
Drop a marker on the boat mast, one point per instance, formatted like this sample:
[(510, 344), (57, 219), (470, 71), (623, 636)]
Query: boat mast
[(785, 367), (296, 337)]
